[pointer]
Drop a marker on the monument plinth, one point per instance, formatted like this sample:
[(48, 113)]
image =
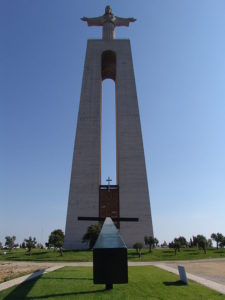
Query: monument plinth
[(129, 198), (110, 257)]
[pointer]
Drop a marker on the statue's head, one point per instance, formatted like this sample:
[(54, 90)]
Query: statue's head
[(108, 10)]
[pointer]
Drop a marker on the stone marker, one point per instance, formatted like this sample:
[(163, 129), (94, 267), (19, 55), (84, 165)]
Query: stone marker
[(182, 273), (110, 257)]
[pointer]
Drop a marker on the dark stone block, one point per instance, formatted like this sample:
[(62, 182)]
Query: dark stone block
[(110, 265), (110, 256)]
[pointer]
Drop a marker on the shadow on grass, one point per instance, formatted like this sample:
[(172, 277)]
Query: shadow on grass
[(66, 278), (174, 283), (23, 289), (67, 294), (75, 251), (134, 256), (36, 253)]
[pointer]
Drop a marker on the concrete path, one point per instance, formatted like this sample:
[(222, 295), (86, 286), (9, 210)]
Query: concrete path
[(19, 280)]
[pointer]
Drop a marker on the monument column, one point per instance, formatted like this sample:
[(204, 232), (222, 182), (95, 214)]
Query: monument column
[(128, 201), (85, 175), (132, 177)]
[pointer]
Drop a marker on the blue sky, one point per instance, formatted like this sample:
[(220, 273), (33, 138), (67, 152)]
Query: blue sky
[(178, 54)]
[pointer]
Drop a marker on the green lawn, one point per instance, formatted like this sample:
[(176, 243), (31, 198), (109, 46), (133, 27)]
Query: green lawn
[(156, 255), (76, 283)]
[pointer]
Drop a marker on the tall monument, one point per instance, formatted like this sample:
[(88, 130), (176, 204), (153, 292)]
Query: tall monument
[(127, 202)]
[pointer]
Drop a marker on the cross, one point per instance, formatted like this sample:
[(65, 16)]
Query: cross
[(108, 179)]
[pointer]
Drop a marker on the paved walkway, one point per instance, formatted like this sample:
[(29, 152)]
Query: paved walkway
[(170, 266)]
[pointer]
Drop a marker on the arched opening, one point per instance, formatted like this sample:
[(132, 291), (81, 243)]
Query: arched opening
[(108, 132), (108, 65), (108, 136), (109, 194)]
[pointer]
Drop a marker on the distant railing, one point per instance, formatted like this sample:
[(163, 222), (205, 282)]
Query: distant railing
[(112, 187)]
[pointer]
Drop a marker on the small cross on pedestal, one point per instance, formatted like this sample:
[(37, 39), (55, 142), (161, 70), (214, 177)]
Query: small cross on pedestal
[(108, 180)]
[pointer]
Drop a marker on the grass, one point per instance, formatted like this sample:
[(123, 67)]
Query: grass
[(77, 283), (80, 256), (168, 254)]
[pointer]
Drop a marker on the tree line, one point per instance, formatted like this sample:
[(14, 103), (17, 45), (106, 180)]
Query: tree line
[(199, 241), (55, 240)]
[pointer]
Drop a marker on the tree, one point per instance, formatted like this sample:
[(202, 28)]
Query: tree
[(209, 243), (0, 245), (175, 244), (10, 242), (40, 246), (222, 243), (202, 242), (183, 241), (47, 245), (156, 242), (218, 238), (30, 243), (56, 239), (150, 241), (23, 245), (138, 246), (92, 234), (164, 245)]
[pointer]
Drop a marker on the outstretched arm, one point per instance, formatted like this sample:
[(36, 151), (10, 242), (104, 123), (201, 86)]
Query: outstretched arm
[(94, 21), (124, 21)]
